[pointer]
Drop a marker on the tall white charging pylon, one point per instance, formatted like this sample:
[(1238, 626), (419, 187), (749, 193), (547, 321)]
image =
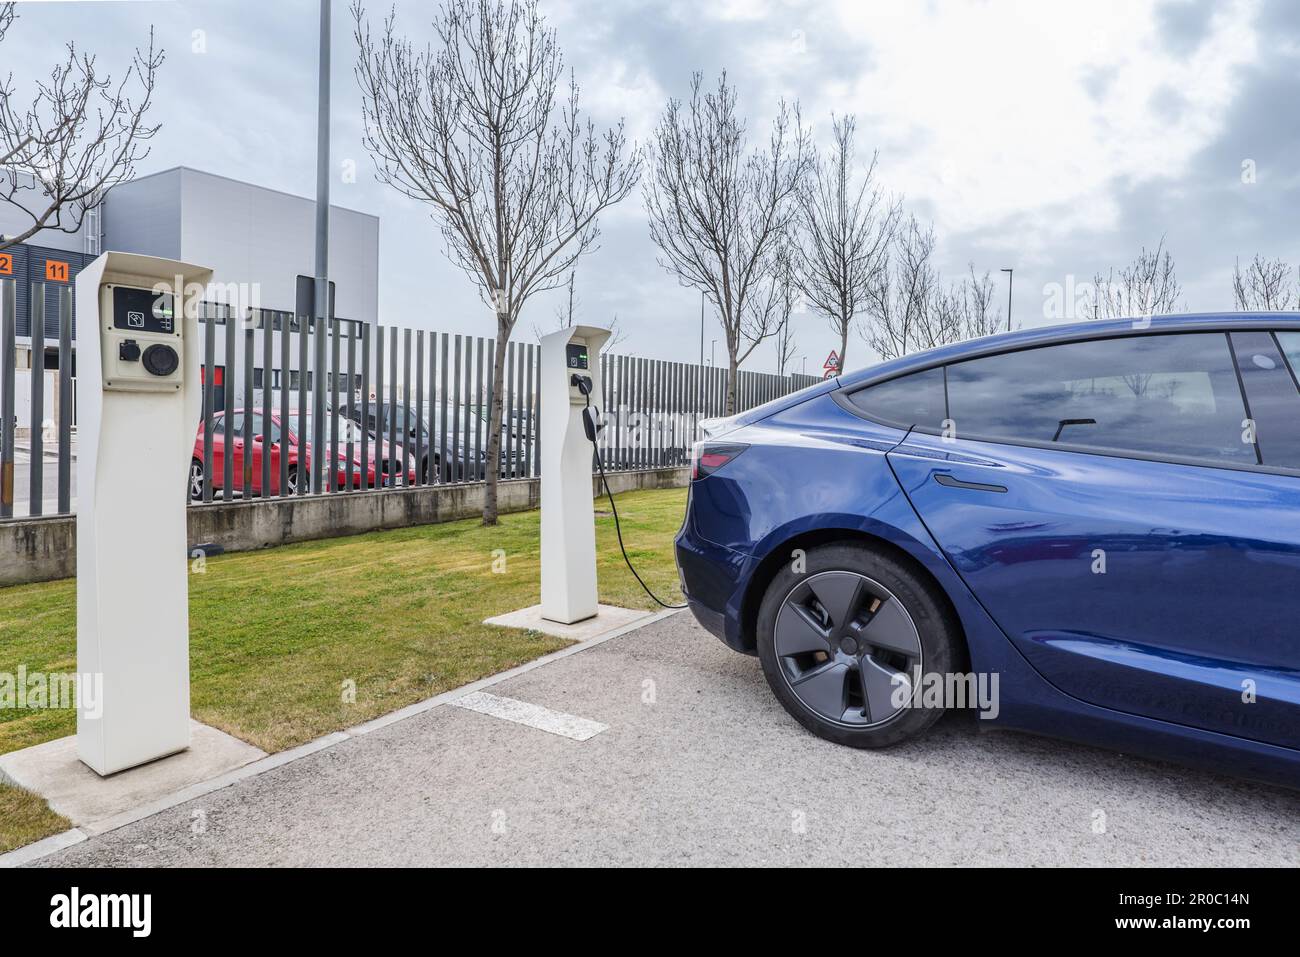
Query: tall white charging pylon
[(138, 405), (568, 516)]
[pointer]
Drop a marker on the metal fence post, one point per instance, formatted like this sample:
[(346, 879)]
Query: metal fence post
[(419, 407), (65, 400), (8, 369), (36, 440), (286, 382), (382, 455), (246, 472), (365, 406), (392, 405), (228, 407), (350, 406), (269, 437), (443, 465), (406, 403), (332, 482), (209, 393), (455, 463)]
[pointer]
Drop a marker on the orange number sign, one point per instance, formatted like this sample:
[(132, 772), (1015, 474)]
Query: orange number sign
[(6, 264), (56, 271)]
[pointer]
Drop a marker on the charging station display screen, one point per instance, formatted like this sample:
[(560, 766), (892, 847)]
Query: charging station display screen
[(143, 310), (577, 355)]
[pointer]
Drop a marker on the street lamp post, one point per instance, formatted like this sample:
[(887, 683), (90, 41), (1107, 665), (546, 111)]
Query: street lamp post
[(1008, 270), (322, 244)]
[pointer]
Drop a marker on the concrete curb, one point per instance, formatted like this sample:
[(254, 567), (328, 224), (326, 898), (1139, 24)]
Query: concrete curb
[(42, 848), (58, 842)]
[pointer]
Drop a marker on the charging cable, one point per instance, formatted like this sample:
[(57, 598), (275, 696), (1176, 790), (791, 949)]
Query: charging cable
[(590, 426)]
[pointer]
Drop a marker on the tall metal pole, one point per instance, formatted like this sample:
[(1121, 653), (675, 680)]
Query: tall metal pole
[(322, 248), (1010, 277), (701, 327)]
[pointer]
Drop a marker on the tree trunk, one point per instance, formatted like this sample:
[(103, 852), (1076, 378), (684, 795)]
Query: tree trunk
[(493, 463), (844, 347), (731, 384)]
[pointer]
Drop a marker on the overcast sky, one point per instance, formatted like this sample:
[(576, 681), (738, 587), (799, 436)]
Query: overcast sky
[(1055, 138)]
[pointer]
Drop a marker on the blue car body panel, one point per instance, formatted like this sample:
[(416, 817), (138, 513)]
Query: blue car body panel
[(1157, 589), (1181, 645)]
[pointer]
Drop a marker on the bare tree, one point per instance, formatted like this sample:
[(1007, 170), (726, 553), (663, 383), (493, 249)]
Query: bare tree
[(939, 322), (515, 179), (1146, 287), (979, 317), (783, 293), (566, 314), (786, 346), (1267, 285), (81, 135), (720, 213), (901, 303), (846, 235)]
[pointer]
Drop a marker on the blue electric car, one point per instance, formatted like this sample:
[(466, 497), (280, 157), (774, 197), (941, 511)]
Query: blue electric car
[(1105, 515)]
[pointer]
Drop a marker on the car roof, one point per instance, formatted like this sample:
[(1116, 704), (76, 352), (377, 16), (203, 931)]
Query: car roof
[(1071, 332)]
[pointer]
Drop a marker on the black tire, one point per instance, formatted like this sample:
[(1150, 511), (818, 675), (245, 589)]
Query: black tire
[(917, 629), (195, 480), (291, 487)]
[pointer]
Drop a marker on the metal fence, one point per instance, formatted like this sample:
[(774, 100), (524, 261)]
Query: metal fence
[(391, 407)]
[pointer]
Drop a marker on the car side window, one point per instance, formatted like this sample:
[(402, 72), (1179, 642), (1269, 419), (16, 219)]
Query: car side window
[(1271, 396), (1171, 395), (907, 401)]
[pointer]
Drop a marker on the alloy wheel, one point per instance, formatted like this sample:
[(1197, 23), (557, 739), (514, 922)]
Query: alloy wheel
[(845, 645)]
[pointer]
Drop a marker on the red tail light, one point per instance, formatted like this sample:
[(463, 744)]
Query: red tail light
[(708, 457)]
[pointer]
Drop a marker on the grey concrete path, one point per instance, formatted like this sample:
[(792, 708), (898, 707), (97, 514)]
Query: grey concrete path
[(699, 765)]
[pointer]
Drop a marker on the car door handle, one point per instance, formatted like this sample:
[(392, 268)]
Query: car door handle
[(943, 478)]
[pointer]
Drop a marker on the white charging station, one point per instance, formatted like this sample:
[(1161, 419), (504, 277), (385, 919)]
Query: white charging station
[(138, 408), (568, 516)]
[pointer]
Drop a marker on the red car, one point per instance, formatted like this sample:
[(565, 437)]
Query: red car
[(298, 453)]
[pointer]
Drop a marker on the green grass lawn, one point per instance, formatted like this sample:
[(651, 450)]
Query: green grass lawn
[(278, 636)]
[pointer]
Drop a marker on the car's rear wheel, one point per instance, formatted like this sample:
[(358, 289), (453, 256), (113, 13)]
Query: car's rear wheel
[(843, 631), (291, 483)]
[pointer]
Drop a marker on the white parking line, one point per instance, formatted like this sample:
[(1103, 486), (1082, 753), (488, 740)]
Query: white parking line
[(532, 715)]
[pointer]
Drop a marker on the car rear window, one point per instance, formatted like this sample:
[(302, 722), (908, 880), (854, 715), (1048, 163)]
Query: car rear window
[(1163, 395), (914, 400)]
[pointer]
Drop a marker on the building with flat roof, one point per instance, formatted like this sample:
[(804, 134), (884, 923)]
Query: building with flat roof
[(248, 235)]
